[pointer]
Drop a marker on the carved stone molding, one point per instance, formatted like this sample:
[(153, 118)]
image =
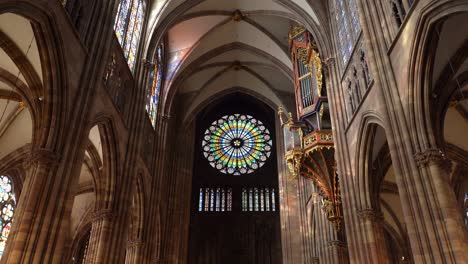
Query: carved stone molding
[(102, 214), (370, 214), (336, 243), (147, 64), (44, 157), (165, 117), (134, 243), (432, 156), (237, 16)]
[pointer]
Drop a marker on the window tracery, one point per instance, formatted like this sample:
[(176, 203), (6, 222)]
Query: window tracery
[(348, 27), (398, 11), (358, 79), (237, 144), (258, 199), (154, 86), (8, 205), (215, 199), (128, 27)]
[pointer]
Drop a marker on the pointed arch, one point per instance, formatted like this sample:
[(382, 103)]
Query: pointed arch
[(49, 98), (107, 183), (420, 68)]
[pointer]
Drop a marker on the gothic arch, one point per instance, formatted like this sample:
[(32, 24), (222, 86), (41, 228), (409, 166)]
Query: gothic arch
[(189, 119), (137, 210), (81, 233), (364, 146), (420, 69), (379, 196), (48, 101), (106, 184)]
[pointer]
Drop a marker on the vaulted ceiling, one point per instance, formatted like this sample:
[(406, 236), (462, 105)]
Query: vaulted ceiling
[(215, 47), (19, 57)]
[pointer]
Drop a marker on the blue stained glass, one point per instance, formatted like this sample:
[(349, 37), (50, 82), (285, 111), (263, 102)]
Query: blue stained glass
[(348, 26), (121, 20), (128, 27), (356, 25)]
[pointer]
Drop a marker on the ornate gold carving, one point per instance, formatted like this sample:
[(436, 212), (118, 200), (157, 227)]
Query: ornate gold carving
[(317, 140), (316, 62), (294, 160), (280, 114), (295, 31), (22, 105), (303, 55)]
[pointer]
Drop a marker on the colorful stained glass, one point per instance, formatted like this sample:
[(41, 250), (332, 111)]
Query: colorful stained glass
[(237, 144), (128, 27), (154, 87), (7, 204)]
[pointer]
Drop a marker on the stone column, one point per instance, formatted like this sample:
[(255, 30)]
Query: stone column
[(103, 244), (36, 233), (133, 254), (436, 168), (339, 252), (373, 229)]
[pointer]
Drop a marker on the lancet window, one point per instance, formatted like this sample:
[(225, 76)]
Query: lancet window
[(154, 85), (215, 199), (258, 200), (348, 27), (8, 205), (128, 27)]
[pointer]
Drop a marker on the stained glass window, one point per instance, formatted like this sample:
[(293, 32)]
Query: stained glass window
[(237, 144), (258, 200), (128, 26), (154, 87), (200, 200), (348, 26), (7, 204), (215, 200)]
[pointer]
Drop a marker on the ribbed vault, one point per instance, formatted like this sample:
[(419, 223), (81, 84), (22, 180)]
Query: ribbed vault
[(213, 46)]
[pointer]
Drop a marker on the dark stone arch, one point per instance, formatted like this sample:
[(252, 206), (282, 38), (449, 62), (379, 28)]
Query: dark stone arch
[(420, 66), (107, 184)]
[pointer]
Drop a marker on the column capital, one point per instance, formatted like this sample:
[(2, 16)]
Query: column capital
[(134, 243), (431, 156), (102, 214), (336, 243), (44, 156), (370, 214), (147, 64)]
